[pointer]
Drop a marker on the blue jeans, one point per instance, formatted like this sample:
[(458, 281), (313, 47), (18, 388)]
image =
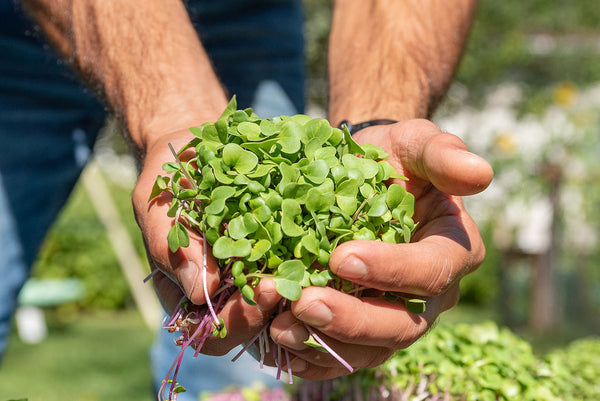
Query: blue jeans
[(48, 124)]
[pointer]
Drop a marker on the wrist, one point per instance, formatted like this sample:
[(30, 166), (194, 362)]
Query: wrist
[(176, 117), (359, 99)]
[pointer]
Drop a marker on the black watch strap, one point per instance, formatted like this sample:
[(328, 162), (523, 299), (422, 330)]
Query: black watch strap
[(354, 128)]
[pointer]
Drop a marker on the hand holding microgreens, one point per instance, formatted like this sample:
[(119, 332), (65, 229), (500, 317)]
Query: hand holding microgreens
[(274, 197)]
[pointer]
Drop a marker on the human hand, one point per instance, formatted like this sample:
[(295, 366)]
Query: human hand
[(180, 274), (446, 245)]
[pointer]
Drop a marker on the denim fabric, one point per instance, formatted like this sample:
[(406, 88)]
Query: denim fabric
[(49, 121)]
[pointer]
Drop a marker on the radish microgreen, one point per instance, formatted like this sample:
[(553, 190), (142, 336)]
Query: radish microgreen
[(273, 198)]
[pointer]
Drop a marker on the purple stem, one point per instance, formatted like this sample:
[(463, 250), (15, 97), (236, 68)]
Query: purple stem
[(278, 377), (205, 285), (289, 368), (248, 345), (328, 348), (149, 276), (179, 359)]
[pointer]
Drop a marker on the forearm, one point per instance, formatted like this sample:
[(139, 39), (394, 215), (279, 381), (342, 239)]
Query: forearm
[(143, 57), (394, 59)]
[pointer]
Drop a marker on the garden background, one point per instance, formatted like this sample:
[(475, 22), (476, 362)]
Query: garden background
[(526, 97)]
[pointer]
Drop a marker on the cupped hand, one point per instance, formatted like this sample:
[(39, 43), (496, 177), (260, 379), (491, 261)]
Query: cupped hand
[(181, 273), (445, 246)]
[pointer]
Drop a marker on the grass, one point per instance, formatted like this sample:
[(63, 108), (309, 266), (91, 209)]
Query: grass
[(91, 357)]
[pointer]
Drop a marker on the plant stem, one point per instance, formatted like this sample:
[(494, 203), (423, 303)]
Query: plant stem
[(328, 348)]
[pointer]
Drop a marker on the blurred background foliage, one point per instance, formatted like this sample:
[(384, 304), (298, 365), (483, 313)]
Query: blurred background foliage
[(538, 45)]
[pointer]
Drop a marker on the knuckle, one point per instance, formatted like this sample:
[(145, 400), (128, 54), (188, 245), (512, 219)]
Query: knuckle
[(442, 280)]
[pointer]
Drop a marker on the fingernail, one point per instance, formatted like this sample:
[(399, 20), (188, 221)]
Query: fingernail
[(293, 337), (318, 314), (187, 274), (353, 268)]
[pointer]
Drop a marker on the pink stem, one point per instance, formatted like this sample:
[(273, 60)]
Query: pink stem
[(328, 348)]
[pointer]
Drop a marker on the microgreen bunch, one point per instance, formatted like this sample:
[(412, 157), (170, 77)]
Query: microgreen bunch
[(274, 197)]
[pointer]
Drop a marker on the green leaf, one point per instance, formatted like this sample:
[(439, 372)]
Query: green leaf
[(295, 191), (287, 279), (170, 167), (159, 186), (237, 269), (241, 160), (275, 232), (364, 234), (290, 208), (328, 155), (217, 165), (291, 270), (289, 137), (377, 206), (339, 173), (210, 133), (337, 136), (225, 247), (395, 195), (179, 389), (311, 342), (261, 170), (197, 131), (374, 152), (178, 237), (236, 228), (316, 171), (248, 294), (353, 147), (268, 128), (317, 201), (310, 242), (230, 109), (221, 127), (321, 278), (318, 128), (300, 119), (345, 196), (415, 305), (369, 168), (218, 197), (250, 130), (259, 250)]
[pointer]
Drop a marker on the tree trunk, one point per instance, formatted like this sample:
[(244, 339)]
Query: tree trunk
[(543, 312)]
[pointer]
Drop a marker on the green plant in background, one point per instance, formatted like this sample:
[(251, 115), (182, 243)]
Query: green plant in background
[(77, 246), (576, 369), (274, 197), (470, 362)]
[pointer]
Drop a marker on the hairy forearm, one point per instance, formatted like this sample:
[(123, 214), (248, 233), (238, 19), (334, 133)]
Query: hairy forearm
[(394, 58), (143, 57)]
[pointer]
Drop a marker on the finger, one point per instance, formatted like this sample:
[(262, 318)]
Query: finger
[(422, 151), (317, 373), (169, 293), (427, 267), (302, 368), (366, 321), (289, 332), (244, 321)]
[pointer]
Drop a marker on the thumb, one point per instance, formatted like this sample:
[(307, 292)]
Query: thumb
[(426, 155), (448, 164)]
